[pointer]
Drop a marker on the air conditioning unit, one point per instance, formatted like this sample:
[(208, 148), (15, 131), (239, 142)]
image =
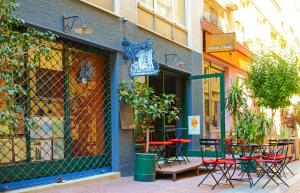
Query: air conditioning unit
[(231, 5)]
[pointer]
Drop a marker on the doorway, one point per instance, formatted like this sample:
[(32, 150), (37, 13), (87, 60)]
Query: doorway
[(213, 118), (168, 82)]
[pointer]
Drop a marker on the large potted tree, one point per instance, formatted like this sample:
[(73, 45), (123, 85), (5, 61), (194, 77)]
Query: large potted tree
[(147, 107)]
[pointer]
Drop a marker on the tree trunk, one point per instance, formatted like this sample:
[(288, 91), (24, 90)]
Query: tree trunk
[(147, 139), (273, 128)]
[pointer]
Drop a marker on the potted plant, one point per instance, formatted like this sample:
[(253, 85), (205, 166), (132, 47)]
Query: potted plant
[(147, 107), (235, 103), (252, 128)]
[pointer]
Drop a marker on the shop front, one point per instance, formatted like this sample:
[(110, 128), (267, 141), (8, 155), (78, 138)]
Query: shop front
[(222, 54), (224, 59), (66, 119), (168, 81), (72, 105)]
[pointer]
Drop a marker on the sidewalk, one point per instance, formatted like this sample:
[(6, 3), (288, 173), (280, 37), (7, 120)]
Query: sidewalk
[(186, 183)]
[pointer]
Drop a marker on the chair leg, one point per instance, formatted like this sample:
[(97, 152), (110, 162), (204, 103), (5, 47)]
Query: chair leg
[(177, 154), (272, 177), (224, 175), (184, 145), (157, 151), (161, 153), (181, 152), (277, 174), (265, 171), (209, 173), (204, 178), (286, 166)]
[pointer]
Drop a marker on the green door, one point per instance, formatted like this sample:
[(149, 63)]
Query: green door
[(208, 100)]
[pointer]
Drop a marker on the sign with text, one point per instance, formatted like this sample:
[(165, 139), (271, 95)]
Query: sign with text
[(194, 125), (220, 42), (141, 55)]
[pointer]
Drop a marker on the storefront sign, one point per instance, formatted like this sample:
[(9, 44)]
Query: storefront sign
[(141, 55), (194, 125), (220, 42)]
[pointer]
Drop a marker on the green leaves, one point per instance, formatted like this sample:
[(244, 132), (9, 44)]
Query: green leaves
[(235, 97), (252, 127), (148, 106), (235, 100), (16, 42), (274, 75)]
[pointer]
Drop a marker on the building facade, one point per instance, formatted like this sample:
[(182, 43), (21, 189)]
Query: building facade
[(72, 97), (252, 23)]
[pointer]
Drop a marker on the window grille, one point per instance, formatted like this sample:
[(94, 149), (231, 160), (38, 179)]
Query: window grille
[(67, 103)]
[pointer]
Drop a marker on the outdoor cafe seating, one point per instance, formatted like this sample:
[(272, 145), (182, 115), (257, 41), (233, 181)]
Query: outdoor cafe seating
[(265, 161), (273, 163), (180, 142), (162, 147), (216, 163)]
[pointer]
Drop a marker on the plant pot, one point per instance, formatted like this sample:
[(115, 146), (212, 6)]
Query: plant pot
[(252, 166), (145, 167), (140, 139)]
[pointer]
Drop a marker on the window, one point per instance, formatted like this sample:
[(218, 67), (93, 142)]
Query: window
[(180, 13), (86, 111), (166, 17), (164, 8), (105, 4), (213, 17), (147, 3), (213, 14)]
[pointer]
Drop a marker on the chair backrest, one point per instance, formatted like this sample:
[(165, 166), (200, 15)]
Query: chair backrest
[(171, 132), (273, 146), (292, 143), (281, 148), (209, 142), (175, 133), (229, 149), (284, 147)]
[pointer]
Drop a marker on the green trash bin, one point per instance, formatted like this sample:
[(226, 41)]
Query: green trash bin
[(145, 166)]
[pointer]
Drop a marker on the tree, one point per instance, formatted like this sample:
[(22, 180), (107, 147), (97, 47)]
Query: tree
[(147, 106), (274, 75), (16, 43)]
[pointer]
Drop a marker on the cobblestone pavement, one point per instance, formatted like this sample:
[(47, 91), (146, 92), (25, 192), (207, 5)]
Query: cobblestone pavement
[(186, 183)]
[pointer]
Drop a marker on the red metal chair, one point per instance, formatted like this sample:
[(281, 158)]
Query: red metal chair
[(224, 165), (273, 165), (181, 145), (160, 149)]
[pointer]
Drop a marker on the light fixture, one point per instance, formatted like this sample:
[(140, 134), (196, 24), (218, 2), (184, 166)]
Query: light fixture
[(69, 24), (86, 72), (174, 59), (124, 19), (180, 64)]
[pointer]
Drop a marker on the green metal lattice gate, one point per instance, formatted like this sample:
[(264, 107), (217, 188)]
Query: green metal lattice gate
[(68, 102)]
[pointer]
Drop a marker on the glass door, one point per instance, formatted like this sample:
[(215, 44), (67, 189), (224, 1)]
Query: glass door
[(212, 115), (166, 82)]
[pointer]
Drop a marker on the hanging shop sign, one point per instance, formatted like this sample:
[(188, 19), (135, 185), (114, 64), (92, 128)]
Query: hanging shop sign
[(141, 56), (194, 125), (220, 42)]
